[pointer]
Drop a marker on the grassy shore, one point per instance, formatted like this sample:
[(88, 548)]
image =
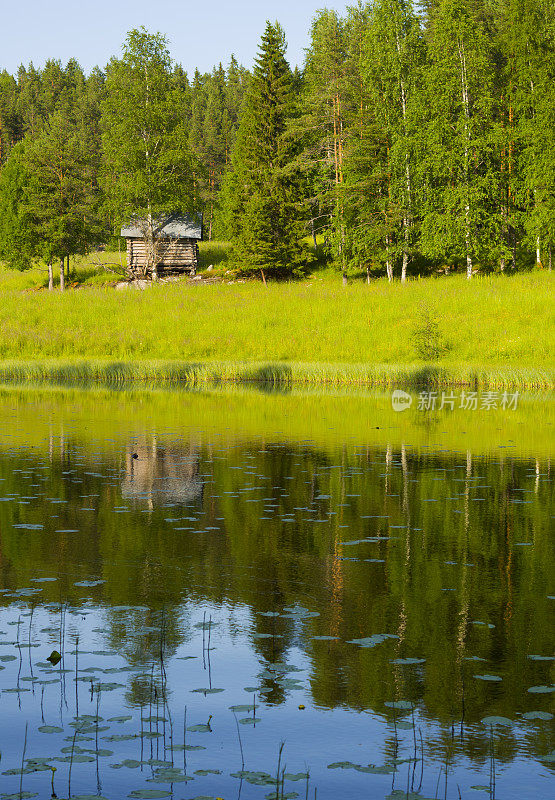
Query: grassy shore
[(492, 331)]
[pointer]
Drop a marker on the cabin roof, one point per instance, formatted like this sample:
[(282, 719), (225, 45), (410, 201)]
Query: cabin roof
[(172, 226)]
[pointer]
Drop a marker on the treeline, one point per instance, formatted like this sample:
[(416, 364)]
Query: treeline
[(409, 142)]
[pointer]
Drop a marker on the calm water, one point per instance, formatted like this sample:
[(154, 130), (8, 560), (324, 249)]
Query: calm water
[(228, 576)]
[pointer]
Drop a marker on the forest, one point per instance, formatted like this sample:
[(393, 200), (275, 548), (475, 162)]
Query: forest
[(414, 139)]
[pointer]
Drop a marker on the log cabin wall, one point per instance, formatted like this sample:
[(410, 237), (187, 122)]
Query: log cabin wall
[(174, 255)]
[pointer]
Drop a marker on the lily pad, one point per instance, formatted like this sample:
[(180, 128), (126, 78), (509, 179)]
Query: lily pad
[(50, 729), (256, 778), (497, 721), (488, 677), (148, 794), (543, 715), (541, 689), (401, 705), (372, 641)]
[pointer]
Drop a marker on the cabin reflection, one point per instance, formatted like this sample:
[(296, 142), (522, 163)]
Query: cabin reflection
[(159, 475)]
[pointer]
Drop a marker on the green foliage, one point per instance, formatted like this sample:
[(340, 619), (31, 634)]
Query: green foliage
[(48, 196), (429, 342), (19, 241), (148, 165), (262, 191)]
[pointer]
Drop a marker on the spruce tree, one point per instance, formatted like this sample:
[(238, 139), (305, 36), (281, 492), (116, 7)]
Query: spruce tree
[(261, 192)]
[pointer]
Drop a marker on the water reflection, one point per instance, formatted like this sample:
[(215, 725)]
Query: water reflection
[(160, 474), (390, 579)]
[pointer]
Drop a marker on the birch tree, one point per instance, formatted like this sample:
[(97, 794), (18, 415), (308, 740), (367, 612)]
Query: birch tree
[(462, 219), (148, 165)]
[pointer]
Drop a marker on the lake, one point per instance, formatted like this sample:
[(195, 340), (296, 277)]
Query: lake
[(276, 595)]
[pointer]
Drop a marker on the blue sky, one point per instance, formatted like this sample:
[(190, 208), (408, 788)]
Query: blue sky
[(200, 33)]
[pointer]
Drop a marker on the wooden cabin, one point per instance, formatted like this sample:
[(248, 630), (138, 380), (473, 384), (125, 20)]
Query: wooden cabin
[(176, 237)]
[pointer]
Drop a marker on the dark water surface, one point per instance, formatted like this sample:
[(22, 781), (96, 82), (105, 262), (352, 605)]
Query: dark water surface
[(244, 586)]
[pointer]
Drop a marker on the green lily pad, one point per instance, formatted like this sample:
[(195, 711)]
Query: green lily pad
[(543, 715), (148, 794), (256, 778), (208, 772), (408, 661), (401, 705), (19, 795), (50, 729), (497, 721), (488, 677), (372, 641)]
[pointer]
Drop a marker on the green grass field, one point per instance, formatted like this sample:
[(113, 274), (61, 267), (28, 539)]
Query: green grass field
[(496, 330)]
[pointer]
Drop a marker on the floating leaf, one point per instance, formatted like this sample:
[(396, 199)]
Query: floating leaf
[(372, 641), (85, 583), (256, 778), (541, 689), (54, 658), (148, 794), (497, 721), (50, 729), (401, 705), (408, 661), (543, 715), (208, 772), (488, 677)]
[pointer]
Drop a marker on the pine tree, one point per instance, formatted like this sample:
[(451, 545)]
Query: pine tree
[(322, 127), (261, 191)]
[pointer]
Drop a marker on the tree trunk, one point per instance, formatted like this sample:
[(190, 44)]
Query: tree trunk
[(549, 262), (68, 269), (62, 274), (538, 251), (50, 277), (367, 274), (263, 277), (313, 231), (388, 265), (344, 279), (466, 107), (405, 261)]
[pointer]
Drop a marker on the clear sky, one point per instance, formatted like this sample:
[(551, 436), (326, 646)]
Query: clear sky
[(201, 33)]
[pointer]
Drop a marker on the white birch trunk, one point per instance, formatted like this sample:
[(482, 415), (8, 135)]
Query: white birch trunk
[(50, 277), (467, 210)]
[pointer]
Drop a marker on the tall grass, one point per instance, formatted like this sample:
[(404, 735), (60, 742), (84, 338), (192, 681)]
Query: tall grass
[(87, 372), (497, 331)]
